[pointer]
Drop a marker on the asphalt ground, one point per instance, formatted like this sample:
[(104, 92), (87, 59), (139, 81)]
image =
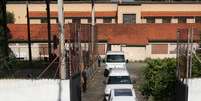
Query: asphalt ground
[(95, 87)]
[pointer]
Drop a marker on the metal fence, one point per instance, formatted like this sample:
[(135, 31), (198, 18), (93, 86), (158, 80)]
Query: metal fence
[(188, 42)]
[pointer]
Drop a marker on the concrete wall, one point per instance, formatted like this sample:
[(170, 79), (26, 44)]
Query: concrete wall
[(161, 56), (194, 89), (129, 10), (34, 90), (116, 48), (170, 7), (21, 50), (19, 10), (134, 53)]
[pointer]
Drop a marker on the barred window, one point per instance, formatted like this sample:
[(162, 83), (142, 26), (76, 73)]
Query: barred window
[(76, 20), (159, 49), (129, 18), (150, 20), (182, 20), (198, 19), (166, 20), (43, 20), (107, 20)]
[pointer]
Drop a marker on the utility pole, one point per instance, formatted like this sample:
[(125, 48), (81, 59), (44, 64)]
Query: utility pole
[(28, 29), (178, 68), (62, 40), (49, 28), (5, 28), (92, 27)]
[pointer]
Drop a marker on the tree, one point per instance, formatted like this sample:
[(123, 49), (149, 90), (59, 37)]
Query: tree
[(4, 62), (160, 79)]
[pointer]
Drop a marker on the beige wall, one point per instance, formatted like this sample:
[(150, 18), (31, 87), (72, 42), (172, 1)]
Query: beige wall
[(68, 21), (161, 56), (129, 10), (158, 20), (190, 20), (99, 20), (84, 21), (21, 50), (170, 7), (174, 20), (35, 21), (19, 10), (116, 48), (134, 53)]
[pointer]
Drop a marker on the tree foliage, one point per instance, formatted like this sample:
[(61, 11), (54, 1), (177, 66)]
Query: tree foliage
[(4, 62), (160, 79)]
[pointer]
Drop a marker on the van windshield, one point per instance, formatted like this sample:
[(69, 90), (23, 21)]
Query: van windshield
[(115, 58), (119, 80)]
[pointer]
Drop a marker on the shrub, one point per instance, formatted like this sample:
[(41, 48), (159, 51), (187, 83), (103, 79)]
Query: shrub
[(159, 79), (196, 67)]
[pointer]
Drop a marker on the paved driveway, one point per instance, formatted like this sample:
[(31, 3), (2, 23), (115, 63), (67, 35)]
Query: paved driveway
[(95, 89)]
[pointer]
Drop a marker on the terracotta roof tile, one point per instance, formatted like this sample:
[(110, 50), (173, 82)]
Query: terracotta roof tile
[(129, 34), (170, 13), (39, 32)]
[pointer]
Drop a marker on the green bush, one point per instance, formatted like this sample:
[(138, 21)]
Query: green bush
[(159, 79), (196, 67)]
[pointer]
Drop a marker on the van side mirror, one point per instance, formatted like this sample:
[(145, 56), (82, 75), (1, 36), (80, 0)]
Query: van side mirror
[(126, 60)]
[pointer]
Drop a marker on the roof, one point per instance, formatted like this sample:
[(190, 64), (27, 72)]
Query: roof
[(141, 34), (170, 13), (36, 14), (119, 72), (18, 32), (126, 34)]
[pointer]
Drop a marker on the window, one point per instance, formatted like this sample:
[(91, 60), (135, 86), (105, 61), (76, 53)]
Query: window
[(159, 49), (107, 20), (150, 20), (43, 20), (76, 20), (129, 18), (123, 92), (119, 80), (182, 20), (115, 58), (166, 20), (197, 19), (89, 20)]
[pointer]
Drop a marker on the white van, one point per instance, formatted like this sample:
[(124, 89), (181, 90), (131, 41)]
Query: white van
[(118, 78), (115, 59), (122, 94)]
